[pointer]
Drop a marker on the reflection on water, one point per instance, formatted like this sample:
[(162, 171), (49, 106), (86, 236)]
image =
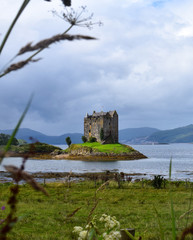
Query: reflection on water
[(157, 163)]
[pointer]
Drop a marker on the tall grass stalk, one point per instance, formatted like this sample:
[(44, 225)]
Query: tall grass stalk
[(189, 208), (16, 129), (130, 235), (160, 225), (23, 6), (172, 205)]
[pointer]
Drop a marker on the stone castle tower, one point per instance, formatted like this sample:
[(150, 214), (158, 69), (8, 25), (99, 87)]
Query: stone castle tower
[(102, 121)]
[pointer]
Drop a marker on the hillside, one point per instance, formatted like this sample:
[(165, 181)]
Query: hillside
[(129, 135), (177, 135), (26, 134), (136, 135)]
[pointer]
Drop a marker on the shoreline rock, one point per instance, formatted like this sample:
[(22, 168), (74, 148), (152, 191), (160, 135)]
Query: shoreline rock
[(102, 156)]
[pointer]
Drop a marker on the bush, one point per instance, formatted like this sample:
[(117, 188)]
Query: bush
[(84, 139), (4, 138), (92, 139), (68, 141), (37, 148), (158, 181)]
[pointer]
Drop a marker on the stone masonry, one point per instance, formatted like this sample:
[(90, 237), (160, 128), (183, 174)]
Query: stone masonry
[(108, 121)]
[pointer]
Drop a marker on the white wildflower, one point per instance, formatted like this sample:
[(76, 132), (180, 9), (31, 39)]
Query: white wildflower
[(87, 226), (102, 219), (104, 234), (116, 234), (82, 235), (113, 235), (77, 229)]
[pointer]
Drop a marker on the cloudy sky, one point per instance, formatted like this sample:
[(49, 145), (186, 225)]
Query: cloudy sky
[(141, 65)]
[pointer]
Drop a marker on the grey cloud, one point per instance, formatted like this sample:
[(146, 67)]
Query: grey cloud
[(141, 66)]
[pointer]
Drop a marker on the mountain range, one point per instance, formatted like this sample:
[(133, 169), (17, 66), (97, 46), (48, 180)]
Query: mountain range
[(30, 135), (142, 135), (176, 135)]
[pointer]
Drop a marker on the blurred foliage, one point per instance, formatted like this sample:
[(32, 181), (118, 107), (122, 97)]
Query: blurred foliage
[(4, 138)]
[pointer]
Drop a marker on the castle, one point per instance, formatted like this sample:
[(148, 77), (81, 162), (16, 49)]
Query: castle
[(102, 125)]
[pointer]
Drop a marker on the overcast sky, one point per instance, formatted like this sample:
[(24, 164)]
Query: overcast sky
[(141, 65)]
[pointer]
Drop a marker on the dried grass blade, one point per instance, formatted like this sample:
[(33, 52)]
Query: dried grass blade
[(19, 65), (102, 186), (92, 210), (73, 213), (47, 42), (184, 214), (18, 175)]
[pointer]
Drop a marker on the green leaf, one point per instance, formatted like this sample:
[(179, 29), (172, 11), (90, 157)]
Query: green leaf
[(170, 169), (16, 129), (25, 2), (92, 234), (129, 234)]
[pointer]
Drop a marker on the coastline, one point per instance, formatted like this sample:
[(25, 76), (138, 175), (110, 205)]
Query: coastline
[(105, 157), (102, 157)]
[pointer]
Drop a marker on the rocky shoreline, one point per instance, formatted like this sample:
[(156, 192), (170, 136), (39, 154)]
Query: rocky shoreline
[(92, 157), (99, 152), (79, 152), (43, 177), (97, 156)]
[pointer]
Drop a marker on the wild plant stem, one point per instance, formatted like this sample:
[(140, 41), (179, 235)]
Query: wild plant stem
[(187, 218), (160, 225), (173, 218), (25, 3), (172, 205), (37, 52)]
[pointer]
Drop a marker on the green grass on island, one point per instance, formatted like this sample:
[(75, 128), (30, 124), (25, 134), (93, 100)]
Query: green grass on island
[(134, 205), (116, 148)]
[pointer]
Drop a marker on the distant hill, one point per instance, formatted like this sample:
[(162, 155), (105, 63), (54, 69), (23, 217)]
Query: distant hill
[(26, 134), (136, 135), (128, 135), (177, 135)]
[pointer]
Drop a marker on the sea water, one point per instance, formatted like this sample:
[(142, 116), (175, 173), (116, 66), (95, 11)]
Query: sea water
[(157, 163)]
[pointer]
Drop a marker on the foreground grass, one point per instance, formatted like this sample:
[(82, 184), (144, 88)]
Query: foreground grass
[(116, 148), (42, 217)]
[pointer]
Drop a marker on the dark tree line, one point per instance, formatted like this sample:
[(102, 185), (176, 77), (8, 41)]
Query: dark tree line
[(4, 138)]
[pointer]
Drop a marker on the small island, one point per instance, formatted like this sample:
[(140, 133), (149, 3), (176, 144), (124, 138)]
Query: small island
[(100, 152), (100, 141), (86, 152)]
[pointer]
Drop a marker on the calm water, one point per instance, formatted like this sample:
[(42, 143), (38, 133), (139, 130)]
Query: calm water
[(157, 163)]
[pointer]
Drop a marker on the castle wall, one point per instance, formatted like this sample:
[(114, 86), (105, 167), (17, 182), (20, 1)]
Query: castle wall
[(115, 129), (92, 127), (109, 123)]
